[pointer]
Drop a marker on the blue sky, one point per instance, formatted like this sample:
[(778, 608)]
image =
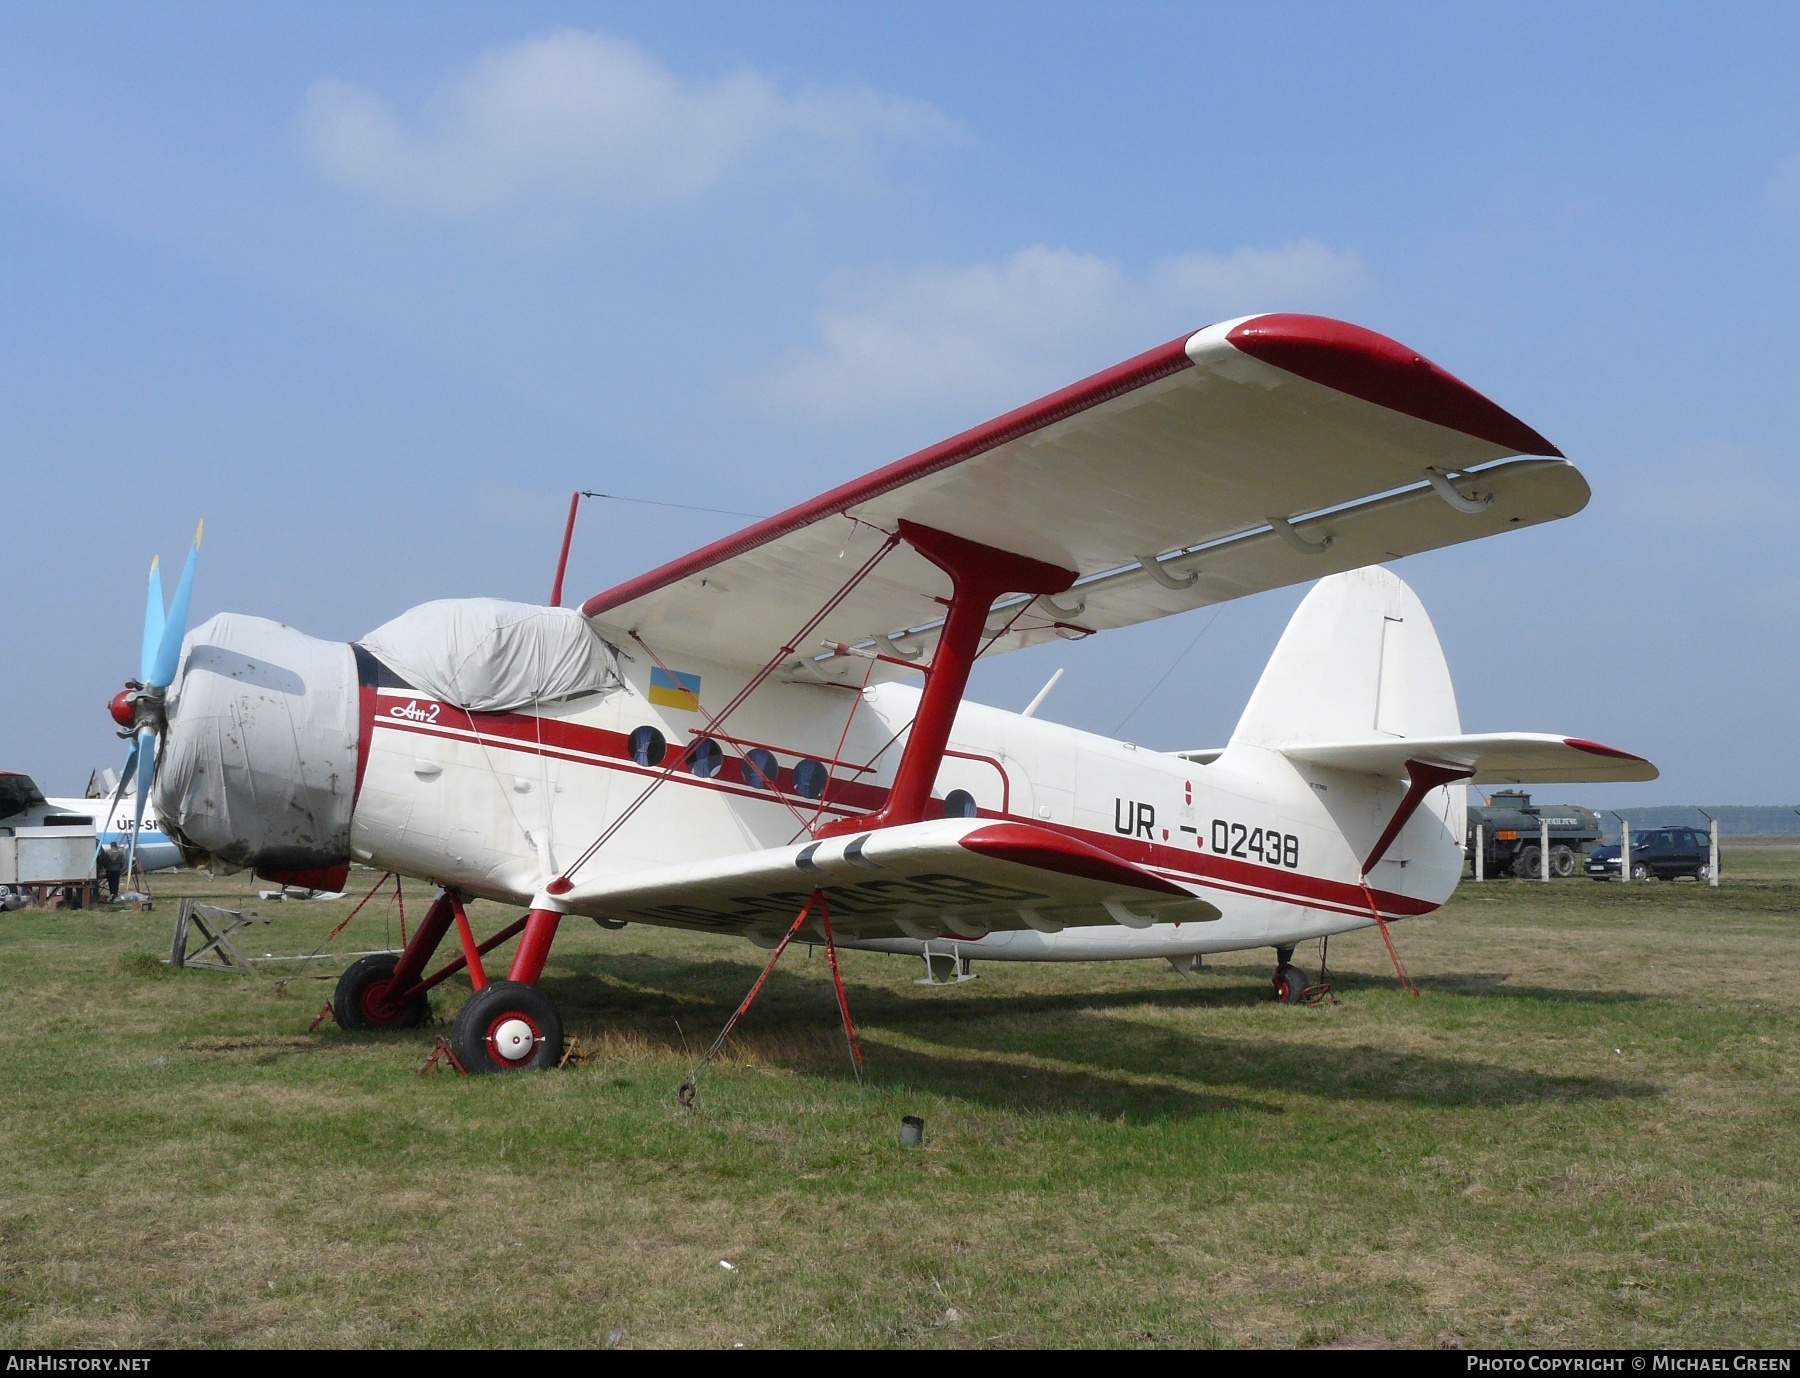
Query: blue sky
[(372, 288)]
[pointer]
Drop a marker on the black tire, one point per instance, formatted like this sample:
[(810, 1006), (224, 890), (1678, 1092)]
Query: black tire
[(1525, 864), (1562, 861), (358, 1001), (1291, 985), (1642, 870), (480, 1035)]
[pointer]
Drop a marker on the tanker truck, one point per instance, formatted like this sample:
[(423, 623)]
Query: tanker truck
[(1512, 830)]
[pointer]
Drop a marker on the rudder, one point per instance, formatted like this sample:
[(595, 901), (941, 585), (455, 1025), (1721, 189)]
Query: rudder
[(1359, 660)]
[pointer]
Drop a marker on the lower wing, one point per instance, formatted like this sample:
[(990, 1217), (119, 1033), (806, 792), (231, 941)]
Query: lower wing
[(942, 878)]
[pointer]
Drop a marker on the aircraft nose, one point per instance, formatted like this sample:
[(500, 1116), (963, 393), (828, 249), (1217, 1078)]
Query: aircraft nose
[(264, 732)]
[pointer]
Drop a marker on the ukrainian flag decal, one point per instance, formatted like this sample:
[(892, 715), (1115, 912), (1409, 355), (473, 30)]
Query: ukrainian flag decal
[(672, 689)]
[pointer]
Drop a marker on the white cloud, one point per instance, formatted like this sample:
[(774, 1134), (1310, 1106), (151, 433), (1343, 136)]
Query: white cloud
[(995, 332), (575, 116)]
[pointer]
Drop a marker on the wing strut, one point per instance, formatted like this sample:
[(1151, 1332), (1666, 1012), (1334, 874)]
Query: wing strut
[(978, 575)]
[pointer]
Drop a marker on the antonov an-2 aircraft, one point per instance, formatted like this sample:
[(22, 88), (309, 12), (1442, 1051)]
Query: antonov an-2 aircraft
[(730, 743)]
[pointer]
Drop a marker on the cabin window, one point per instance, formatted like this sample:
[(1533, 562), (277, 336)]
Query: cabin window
[(761, 769), (705, 757), (959, 803), (809, 779), (648, 746)]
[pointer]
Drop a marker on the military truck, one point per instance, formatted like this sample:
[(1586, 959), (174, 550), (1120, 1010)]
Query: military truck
[(1512, 830)]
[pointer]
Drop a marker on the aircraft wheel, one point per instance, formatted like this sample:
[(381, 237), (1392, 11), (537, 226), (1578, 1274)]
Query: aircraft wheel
[(1291, 984), (1640, 870), (507, 1027), (360, 1002), (1562, 862)]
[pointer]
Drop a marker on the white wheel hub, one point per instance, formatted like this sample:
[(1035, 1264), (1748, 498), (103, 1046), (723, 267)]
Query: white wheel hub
[(514, 1040)]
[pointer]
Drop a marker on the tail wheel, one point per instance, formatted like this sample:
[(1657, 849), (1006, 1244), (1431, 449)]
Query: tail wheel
[(1291, 984), (1562, 862), (507, 1027), (361, 1000)]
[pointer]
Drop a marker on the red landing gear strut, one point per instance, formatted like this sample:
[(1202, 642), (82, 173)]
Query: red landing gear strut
[(505, 1026)]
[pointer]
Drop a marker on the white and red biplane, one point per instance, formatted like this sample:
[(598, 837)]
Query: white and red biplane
[(727, 744)]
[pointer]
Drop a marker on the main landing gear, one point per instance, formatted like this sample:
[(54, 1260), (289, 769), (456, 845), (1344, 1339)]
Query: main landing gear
[(1291, 982), (508, 1027), (361, 1000), (505, 1026)]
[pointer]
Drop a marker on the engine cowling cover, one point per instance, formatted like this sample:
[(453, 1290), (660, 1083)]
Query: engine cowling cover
[(259, 765)]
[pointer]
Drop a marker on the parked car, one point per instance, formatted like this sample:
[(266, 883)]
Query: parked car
[(1660, 854)]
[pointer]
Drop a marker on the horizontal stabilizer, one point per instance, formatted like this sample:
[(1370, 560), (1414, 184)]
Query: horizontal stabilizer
[(1496, 758), (946, 877)]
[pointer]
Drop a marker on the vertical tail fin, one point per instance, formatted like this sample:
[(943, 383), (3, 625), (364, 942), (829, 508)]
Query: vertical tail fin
[(1359, 660)]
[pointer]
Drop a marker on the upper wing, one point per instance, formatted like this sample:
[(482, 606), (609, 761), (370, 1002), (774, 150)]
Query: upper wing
[(1497, 758), (951, 877), (1253, 454)]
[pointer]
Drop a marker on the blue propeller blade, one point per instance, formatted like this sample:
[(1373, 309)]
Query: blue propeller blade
[(153, 622), (168, 651), (145, 751), (124, 784)]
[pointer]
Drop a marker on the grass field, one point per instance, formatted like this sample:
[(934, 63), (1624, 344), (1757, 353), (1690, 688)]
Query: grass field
[(1583, 1133)]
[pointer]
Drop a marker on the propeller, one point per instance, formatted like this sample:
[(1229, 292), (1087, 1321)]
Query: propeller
[(138, 707)]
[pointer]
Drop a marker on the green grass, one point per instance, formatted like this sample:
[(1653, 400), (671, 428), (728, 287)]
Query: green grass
[(1583, 1133)]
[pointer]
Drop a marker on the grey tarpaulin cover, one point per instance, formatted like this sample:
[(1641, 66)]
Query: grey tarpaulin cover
[(492, 656), (259, 766)]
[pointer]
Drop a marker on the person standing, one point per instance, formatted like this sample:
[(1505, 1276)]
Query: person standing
[(112, 866)]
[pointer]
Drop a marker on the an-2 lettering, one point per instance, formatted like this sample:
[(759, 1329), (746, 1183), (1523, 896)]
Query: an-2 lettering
[(413, 713)]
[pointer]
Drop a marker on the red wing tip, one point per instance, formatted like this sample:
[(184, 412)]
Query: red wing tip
[(1601, 749), (1048, 851), (1374, 368)]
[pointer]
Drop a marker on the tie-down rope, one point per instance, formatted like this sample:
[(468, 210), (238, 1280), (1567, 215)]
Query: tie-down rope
[(690, 1087), (1381, 923)]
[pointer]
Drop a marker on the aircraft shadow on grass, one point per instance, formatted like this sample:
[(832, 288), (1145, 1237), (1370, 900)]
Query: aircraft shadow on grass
[(1480, 983), (985, 1045)]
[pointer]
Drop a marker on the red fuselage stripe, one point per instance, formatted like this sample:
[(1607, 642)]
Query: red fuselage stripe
[(608, 750)]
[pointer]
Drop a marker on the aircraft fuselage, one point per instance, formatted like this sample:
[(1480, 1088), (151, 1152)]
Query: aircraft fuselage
[(495, 803)]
